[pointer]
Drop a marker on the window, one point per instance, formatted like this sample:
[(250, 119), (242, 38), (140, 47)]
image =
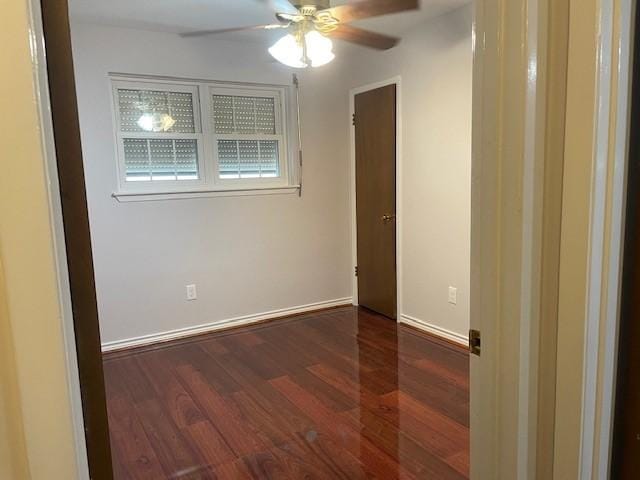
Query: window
[(247, 132), (159, 133), (200, 136)]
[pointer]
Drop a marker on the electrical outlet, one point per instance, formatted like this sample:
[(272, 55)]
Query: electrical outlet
[(192, 293), (453, 295)]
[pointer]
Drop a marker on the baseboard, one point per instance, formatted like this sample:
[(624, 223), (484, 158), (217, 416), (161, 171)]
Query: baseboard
[(435, 330), (219, 325)]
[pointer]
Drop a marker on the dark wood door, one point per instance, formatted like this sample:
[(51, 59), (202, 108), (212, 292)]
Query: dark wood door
[(375, 138), (626, 441)]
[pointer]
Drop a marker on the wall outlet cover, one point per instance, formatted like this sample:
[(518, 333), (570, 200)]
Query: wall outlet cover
[(192, 293), (453, 295)]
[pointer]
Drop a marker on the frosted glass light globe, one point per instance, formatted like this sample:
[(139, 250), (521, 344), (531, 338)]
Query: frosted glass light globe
[(319, 49), (288, 51), (316, 51)]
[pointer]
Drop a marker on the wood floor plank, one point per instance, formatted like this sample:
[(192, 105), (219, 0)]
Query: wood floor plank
[(134, 455), (437, 393), (272, 430), (263, 394), (414, 410), (199, 359), (339, 463), (265, 466), (175, 452), (460, 461), (339, 394), (233, 427), (343, 433), (238, 340), (331, 397), (125, 373), (352, 386), (209, 442), (401, 447), (443, 370), (176, 400), (236, 470)]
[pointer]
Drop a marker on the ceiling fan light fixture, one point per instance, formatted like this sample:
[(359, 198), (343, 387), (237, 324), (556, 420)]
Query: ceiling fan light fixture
[(297, 51), (319, 48), (288, 51)]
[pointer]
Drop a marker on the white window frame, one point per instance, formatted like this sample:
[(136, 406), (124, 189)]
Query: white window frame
[(208, 183), (168, 186)]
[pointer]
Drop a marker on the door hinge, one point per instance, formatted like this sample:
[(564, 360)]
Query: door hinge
[(474, 342), (353, 119), (355, 270)]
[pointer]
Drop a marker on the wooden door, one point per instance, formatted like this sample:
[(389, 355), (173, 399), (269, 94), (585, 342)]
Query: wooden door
[(375, 141), (626, 437)]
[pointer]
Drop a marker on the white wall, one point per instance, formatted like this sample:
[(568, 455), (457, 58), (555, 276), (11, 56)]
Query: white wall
[(247, 255), (434, 61)]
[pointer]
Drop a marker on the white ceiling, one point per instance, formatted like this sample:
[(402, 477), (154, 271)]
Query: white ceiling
[(177, 16)]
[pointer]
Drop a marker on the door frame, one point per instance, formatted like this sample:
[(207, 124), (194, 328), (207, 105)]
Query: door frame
[(492, 457), (397, 81), (616, 23), (89, 465)]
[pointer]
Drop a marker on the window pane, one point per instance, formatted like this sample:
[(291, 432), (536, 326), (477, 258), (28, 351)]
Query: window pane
[(160, 159), (248, 159), (187, 159), (269, 158), (223, 113), (244, 115), (228, 159), (136, 159), (265, 116), (156, 111)]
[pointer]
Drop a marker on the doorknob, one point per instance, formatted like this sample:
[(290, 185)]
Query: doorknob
[(388, 218)]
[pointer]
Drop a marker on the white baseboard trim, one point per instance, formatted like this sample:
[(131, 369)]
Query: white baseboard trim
[(435, 330), (219, 325)]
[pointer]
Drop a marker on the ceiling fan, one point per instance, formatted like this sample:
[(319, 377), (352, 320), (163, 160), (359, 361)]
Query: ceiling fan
[(311, 23)]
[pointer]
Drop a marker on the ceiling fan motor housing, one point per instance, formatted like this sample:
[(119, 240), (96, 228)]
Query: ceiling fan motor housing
[(319, 4), (316, 14)]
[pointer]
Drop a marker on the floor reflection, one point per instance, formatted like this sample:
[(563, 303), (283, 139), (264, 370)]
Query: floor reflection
[(344, 393)]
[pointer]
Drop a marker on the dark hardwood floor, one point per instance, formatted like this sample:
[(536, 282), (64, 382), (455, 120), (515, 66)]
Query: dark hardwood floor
[(338, 394)]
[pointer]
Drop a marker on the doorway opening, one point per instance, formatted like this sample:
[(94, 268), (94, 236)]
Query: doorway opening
[(223, 287)]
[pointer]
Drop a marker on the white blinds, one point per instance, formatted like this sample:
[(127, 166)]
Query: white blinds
[(137, 104), (247, 136), (248, 159), (153, 127), (160, 159), (244, 115)]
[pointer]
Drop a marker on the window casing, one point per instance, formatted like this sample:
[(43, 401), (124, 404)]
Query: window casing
[(192, 136)]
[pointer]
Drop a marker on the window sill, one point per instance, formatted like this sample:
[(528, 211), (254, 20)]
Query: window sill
[(240, 192)]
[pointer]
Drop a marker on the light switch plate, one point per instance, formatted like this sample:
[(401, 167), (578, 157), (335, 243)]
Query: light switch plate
[(453, 295)]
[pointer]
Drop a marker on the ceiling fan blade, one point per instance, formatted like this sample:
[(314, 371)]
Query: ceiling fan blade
[(201, 33), (364, 37), (281, 6), (359, 9)]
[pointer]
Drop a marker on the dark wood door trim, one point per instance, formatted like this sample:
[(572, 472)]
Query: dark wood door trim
[(66, 132), (625, 461)]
